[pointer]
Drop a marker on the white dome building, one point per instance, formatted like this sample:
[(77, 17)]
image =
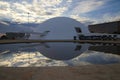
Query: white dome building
[(61, 28)]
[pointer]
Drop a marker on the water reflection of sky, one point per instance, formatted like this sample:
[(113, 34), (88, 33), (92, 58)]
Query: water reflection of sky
[(56, 54)]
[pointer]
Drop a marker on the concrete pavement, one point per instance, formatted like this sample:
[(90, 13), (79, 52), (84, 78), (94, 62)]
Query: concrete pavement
[(86, 72)]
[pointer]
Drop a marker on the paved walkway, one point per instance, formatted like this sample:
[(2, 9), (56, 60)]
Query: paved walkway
[(89, 72)]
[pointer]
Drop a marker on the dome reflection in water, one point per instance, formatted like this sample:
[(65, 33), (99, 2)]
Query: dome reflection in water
[(58, 54), (62, 51)]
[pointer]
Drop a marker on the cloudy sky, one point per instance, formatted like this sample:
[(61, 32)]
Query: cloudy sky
[(40, 10)]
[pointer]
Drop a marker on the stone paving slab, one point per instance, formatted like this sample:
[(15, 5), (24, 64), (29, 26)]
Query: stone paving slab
[(86, 72)]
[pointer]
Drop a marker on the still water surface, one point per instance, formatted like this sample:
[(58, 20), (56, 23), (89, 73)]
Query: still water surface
[(58, 54)]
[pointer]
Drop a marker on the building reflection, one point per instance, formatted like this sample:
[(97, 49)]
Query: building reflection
[(106, 48), (59, 51), (48, 54)]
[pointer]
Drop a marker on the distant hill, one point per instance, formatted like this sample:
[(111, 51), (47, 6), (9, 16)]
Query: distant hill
[(6, 26)]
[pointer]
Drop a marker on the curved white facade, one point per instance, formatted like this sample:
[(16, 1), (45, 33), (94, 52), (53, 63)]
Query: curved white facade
[(61, 28)]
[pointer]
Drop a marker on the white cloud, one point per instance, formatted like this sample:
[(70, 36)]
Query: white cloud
[(78, 18), (25, 59), (111, 17), (87, 6), (107, 18), (4, 5), (4, 9), (4, 23), (69, 1), (47, 3), (85, 20), (40, 10)]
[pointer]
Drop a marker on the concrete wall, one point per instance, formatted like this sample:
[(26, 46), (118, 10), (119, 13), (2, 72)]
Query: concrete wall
[(111, 27)]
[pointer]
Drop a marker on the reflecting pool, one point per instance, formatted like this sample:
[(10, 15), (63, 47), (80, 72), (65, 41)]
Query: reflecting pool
[(58, 54)]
